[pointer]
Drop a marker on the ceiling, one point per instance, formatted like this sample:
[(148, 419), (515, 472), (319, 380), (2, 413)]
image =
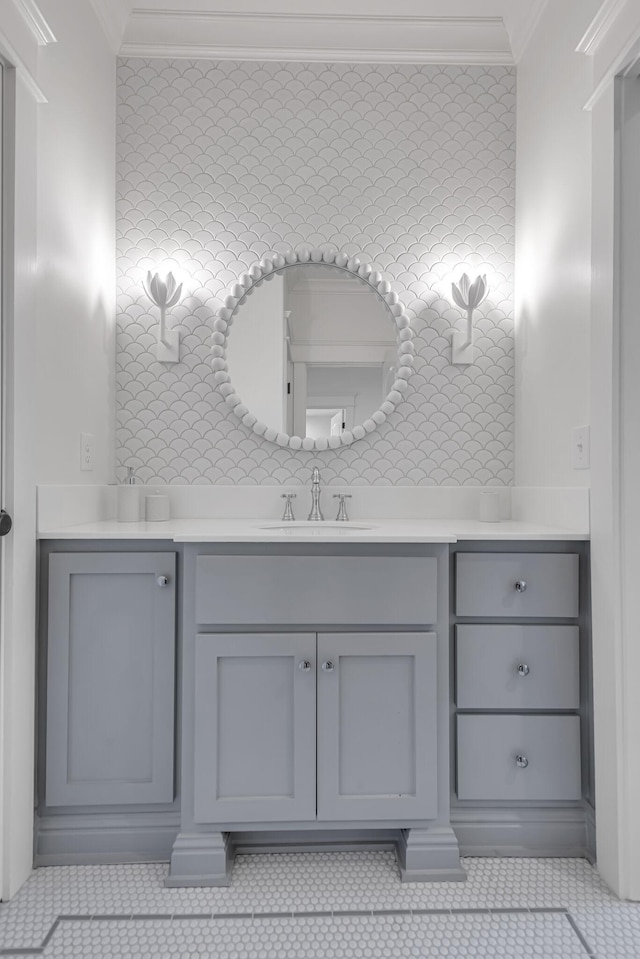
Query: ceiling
[(373, 31)]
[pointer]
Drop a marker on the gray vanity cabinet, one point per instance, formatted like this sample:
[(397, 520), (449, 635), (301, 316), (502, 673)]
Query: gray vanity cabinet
[(258, 698), (377, 726), (110, 679), (255, 735)]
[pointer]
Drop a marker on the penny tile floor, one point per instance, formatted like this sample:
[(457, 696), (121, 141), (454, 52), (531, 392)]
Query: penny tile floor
[(341, 905)]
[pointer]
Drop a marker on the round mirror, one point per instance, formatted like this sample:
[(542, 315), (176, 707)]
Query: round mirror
[(320, 350)]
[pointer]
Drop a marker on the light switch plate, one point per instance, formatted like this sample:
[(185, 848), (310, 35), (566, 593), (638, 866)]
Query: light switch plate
[(581, 448), (87, 451)]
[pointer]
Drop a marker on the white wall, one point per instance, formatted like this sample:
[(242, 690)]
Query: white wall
[(553, 247), (75, 365), (568, 285), (58, 358)]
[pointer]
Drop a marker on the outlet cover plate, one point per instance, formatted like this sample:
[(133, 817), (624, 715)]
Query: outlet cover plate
[(87, 451)]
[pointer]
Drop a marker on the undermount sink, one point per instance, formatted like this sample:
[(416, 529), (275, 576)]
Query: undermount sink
[(305, 526)]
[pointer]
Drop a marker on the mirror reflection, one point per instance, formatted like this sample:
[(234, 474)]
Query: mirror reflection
[(312, 352)]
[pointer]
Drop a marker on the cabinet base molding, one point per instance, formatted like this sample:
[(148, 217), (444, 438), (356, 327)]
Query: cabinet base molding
[(322, 840), (206, 859), (95, 839), (429, 855), (201, 859), (521, 832)]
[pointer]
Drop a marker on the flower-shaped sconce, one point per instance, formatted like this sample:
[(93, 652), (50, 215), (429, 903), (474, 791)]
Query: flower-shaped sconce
[(467, 296), (165, 294)]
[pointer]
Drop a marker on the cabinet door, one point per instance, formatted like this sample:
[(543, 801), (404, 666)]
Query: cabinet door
[(255, 714), (110, 679), (377, 716)]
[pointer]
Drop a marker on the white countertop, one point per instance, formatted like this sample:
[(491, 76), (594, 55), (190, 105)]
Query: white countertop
[(250, 531)]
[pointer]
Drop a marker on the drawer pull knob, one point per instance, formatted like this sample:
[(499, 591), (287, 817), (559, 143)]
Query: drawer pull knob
[(305, 666), (522, 762), (162, 580), (523, 669), (520, 586), (328, 666)]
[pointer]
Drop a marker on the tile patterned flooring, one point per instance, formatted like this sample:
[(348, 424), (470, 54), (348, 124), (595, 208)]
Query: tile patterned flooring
[(341, 905)]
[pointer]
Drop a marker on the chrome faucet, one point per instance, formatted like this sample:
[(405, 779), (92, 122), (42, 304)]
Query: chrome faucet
[(342, 516), (316, 513)]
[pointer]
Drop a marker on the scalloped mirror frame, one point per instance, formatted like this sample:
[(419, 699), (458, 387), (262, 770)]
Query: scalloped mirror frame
[(265, 270)]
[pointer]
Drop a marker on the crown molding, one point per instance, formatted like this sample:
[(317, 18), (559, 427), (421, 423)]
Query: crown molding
[(600, 26), (319, 37), (22, 70), (525, 27), (612, 40), (112, 16), (34, 19)]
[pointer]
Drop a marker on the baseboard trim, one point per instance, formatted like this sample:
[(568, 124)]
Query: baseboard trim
[(541, 832), (92, 839)]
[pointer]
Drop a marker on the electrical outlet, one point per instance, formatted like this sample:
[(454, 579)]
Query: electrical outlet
[(87, 451), (581, 448)]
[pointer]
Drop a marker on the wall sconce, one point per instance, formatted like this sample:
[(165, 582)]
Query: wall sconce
[(165, 294), (467, 296)]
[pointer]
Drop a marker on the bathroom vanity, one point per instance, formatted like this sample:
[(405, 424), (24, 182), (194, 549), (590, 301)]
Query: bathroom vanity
[(230, 687)]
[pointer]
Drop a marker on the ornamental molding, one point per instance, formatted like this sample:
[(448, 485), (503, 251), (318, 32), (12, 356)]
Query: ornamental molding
[(330, 37), (525, 27), (612, 40), (35, 21), (112, 16)]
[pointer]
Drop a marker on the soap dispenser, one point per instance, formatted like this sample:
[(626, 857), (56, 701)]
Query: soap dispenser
[(128, 499)]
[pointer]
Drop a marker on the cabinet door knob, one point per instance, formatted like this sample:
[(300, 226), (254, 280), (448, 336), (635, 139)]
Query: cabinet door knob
[(520, 586), (523, 669), (522, 762), (162, 580), (328, 666), (305, 665)]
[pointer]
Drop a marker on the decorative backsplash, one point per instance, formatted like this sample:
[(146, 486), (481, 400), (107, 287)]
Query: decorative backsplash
[(410, 167)]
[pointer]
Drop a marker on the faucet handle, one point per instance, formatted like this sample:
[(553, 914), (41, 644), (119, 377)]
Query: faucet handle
[(288, 510), (342, 516)]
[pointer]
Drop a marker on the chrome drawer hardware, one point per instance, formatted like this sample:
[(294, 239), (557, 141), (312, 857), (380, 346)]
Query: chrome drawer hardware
[(523, 669), (520, 586), (305, 666), (328, 666), (522, 762), (162, 580)]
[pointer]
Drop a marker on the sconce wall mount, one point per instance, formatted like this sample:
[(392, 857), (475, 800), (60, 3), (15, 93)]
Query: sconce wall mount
[(165, 294), (467, 296)]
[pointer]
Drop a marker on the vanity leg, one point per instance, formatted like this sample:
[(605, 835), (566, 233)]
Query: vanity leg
[(201, 860), (429, 855)]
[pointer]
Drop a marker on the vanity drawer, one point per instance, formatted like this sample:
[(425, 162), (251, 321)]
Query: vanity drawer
[(517, 667), (486, 584), (488, 747), (316, 590)]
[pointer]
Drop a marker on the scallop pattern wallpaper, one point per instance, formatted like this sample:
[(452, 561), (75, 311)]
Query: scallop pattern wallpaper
[(412, 168)]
